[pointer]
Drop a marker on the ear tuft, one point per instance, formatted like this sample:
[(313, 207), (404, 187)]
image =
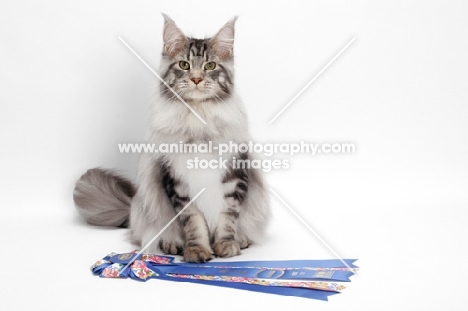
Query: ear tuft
[(166, 18), (174, 39), (223, 42)]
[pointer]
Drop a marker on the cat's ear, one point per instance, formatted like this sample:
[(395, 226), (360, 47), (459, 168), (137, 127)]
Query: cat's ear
[(174, 39), (223, 42)]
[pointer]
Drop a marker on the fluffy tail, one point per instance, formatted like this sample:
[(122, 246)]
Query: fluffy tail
[(103, 198)]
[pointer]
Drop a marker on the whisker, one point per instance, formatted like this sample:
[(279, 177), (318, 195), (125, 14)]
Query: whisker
[(217, 101), (219, 98), (169, 99)]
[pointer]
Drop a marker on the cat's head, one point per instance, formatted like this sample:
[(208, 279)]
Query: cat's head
[(198, 70)]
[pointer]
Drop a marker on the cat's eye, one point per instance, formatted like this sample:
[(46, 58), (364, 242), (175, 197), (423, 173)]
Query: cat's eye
[(184, 65), (210, 66)]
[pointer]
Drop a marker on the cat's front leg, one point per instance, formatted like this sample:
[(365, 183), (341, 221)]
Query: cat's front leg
[(191, 222), (226, 239), (196, 235), (152, 210)]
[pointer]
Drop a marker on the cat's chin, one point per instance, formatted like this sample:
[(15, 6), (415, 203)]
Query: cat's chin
[(197, 96)]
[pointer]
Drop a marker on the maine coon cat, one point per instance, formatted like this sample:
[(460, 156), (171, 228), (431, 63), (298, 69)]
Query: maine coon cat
[(233, 211)]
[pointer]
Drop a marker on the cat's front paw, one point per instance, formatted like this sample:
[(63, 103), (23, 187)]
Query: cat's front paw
[(171, 247), (197, 254), (226, 248), (244, 241)]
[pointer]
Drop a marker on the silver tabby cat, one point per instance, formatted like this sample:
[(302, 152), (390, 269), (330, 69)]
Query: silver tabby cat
[(233, 211)]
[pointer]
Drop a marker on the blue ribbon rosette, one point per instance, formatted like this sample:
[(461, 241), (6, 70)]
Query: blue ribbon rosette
[(314, 279)]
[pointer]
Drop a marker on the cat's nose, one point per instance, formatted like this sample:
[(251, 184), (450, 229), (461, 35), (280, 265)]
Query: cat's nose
[(196, 80)]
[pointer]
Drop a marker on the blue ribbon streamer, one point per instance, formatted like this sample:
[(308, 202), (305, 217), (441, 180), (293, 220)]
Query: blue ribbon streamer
[(285, 269)]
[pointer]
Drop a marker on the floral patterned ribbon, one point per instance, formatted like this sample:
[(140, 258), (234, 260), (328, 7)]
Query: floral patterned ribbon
[(228, 274)]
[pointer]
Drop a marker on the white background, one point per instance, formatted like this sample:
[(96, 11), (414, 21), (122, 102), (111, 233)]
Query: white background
[(70, 91)]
